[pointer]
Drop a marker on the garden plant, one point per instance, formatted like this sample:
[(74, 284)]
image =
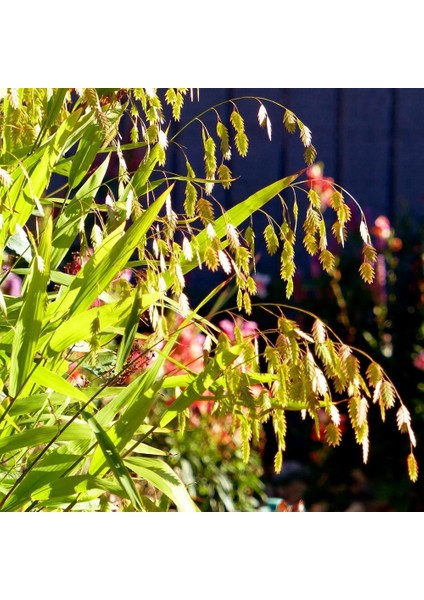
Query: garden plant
[(107, 367)]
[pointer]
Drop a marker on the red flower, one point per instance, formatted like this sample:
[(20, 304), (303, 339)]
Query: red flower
[(75, 377)]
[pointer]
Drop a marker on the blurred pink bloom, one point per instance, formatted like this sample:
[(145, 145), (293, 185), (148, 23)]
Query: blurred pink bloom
[(247, 328), (12, 284), (385, 236), (262, 281), (380, 281), (188, 349), (419, 361), (382, 228)]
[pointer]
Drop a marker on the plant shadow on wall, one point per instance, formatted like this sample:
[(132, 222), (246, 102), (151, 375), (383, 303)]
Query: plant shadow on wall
[(118, 391)]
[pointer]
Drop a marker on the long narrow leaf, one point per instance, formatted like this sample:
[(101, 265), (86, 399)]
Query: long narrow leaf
[(131, 327), (236, 215), (69, 487), (45, 377), (80, 327), (28, 326), (69, 221), (49, 469), (141, 176), (87, 150), (115, 462), (30, 404), (160, 474), (42, 435)]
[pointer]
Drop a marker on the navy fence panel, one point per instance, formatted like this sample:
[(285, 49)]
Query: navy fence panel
[(370, 140), (409, 152)]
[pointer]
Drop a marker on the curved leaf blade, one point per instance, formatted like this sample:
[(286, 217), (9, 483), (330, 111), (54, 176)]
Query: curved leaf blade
[(29, 323), (160, 474), (115, 462)]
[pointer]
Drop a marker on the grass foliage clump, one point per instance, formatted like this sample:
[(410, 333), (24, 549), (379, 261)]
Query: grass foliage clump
[(92, 371)]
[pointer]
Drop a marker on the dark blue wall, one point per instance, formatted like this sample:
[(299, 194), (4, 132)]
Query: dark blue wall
[(370, 140)]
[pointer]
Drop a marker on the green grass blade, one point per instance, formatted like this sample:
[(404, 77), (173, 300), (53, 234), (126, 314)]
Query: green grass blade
[(29, 323), (93, 322), (141, 176), (68, 223), (67, 488), (131, 327), (83, 158), (160, 474), (30, 404), (42, 435), (134, 402), (115, 462), (50, 468), (148, 450), (45, 377)]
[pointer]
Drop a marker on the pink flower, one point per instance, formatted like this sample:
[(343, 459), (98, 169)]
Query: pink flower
[(188, 349), (314, 173), (419, 361), (12, 284), (262, 281), (382, 227), (380, 281), (247, 328), (385, 236)]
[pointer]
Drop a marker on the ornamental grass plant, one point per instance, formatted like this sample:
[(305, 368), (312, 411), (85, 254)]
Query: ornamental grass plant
[(102, 351)]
